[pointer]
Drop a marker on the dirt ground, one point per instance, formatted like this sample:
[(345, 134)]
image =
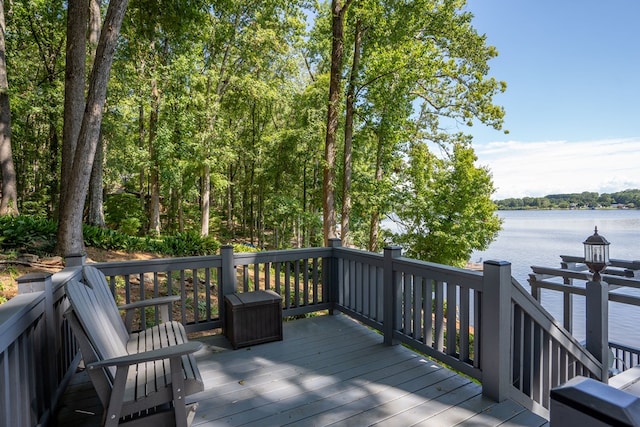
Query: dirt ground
[(11, 269)]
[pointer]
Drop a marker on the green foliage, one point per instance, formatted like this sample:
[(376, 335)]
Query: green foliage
[(244, 247), (123, 213), (106, 238), (27, 234), (187, 244), (179, 244), (235, 94), (445, 207), (35, 35)]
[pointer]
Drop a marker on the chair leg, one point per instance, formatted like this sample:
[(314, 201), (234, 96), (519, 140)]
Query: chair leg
[(191, 413), (112, 412), (177, 385)]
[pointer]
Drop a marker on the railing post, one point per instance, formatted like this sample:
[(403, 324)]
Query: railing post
[(567, 311), (228, 279), (391, 297), (333, 278), (43, 282), (597, 323), (75, 260), (34, 282), (496, 323)]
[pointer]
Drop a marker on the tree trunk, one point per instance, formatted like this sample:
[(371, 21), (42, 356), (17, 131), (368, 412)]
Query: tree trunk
[(54, 148), (74, 92), (305, 228), (93, 35), (374, 225), (154, 209), (95, 211), (230, 202), (211, 124), (70, 239), (329, 173), (180, 213), (251, 198), (260, 217), (348, 138), (9, 194), (206, 197), (142, 183)]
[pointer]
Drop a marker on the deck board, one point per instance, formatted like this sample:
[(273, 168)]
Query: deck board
[(328, 370)]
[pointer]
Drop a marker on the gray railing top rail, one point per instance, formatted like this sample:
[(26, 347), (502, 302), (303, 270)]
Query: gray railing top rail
[(20, 311), (440, 272), (622, 263), (542, 273), (17, 315), (157, 264), (350, 254), (63, 276), (242, 258)]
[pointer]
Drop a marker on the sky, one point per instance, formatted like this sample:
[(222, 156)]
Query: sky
[(572, 69)]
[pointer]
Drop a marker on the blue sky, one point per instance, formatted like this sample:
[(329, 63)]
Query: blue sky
[(572, 104)]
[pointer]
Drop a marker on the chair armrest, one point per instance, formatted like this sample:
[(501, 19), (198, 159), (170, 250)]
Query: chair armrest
[(148, 356), (163, 302), (149, 302)]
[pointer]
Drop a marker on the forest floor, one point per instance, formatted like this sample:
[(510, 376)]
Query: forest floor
[(11, 269)]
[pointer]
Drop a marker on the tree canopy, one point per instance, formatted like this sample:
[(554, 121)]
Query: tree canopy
[(282, 123)]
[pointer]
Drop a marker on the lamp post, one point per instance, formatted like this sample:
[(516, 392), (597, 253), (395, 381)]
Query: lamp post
[(596, 254), (596, 257)]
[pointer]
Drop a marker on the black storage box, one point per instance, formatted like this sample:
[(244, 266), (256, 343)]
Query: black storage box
[(253, 318)]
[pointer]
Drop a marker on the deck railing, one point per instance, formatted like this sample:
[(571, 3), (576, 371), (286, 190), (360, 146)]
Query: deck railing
[(38, 353), (570, 281), (203, 281), (484, 325), (502, 336)]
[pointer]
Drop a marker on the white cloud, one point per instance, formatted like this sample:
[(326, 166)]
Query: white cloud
[(550, 167)]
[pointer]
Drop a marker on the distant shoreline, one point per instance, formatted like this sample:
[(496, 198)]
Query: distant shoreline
[(568, 209), (627, 199)]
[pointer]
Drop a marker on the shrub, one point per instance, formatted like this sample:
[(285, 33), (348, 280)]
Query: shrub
[(25, 233), (187, 243), (105, 238), (123, 213)]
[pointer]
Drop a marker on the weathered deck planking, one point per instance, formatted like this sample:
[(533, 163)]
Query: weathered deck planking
[(329, 370)]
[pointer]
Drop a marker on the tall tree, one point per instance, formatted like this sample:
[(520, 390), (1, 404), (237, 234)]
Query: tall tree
[(74, 90), (35, 48), (95, 210), (70, 238), (338, 15), (348, 135), (422, 61), (9, 192), (446, 211), (154, 173)]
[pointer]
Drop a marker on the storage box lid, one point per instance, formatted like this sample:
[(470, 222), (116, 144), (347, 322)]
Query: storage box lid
[(253, 298)]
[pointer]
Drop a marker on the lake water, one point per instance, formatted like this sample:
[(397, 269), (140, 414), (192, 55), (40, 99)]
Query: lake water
[(539, 238)]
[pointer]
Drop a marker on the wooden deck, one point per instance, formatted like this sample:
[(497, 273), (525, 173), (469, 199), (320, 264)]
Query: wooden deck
[(329, 370)]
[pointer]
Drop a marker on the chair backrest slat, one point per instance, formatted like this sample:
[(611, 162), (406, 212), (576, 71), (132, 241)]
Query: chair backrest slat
[(96, 320), (98, 282)]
